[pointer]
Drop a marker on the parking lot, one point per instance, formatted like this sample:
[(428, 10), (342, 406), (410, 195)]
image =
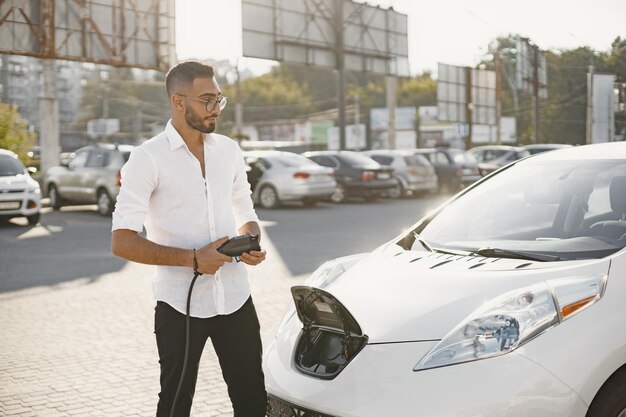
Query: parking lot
[(77, 322)]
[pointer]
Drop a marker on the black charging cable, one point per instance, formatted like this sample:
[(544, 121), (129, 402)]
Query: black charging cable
[(196, 274)]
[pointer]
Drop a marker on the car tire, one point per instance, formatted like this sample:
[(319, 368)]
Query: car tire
[(105, 203), (268, 197), (397, 191), (55, 198), (309, 202), (610, 401), (339, 196), (33, 219)]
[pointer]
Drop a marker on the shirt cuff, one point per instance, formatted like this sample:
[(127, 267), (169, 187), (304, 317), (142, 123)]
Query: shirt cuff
[(129, 221)]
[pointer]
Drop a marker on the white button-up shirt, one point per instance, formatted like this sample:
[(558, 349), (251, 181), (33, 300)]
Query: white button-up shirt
[(163, 190)]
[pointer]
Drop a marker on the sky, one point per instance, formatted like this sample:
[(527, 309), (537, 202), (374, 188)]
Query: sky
[(455, 32)]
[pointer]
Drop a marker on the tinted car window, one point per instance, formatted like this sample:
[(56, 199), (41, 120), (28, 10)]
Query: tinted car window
[(324, 161), (356, 160), (9, 166), (126, 156), (97, 159), (381, 159)]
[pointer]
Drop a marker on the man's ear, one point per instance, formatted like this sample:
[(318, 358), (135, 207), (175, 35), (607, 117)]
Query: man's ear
[(177, 102)]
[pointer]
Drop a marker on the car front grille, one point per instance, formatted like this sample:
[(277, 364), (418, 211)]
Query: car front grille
[(279, 408)]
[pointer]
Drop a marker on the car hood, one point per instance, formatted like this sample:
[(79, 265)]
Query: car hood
[(397, 295), (15, 182)]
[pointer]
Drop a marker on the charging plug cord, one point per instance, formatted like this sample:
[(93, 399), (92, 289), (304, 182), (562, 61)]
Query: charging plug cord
[(196, 274)]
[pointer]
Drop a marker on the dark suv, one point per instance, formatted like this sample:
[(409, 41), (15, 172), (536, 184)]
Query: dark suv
[(455, 168), (90, 176), (357, 175)]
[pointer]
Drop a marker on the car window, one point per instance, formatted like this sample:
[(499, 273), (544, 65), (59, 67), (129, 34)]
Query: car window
[(462, 157), (382, 159), (440, 158), (79, 159), (97, 159), (535, 207), (10, 166), (293, 160), (356, 160), (325, 161), (125, 156), (416, 160)]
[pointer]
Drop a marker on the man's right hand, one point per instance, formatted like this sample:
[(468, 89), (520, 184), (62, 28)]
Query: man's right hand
[(209, 259)]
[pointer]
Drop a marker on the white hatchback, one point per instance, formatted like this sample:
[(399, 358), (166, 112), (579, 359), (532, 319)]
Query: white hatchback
[(20, 195), (508, 300)]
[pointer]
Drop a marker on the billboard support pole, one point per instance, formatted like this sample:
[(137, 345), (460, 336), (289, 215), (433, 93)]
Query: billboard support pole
[(469, 108), (536, 91), (498, 97), (589, 104), (391, 108), (341, 71), (49, 114)]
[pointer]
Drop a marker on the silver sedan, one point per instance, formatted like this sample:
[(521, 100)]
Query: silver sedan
[(276, 177)]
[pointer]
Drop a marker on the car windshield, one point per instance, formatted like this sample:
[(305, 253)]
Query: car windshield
[(570, 209), (359, 161), (293, 160), (10, 166)]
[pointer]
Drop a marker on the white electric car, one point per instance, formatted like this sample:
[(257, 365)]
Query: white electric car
[(508, 300)]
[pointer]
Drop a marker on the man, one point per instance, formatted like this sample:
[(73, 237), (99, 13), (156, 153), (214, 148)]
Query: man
[(188, 187)]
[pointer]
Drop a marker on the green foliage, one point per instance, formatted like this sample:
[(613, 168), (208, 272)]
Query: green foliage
[(14, 135)]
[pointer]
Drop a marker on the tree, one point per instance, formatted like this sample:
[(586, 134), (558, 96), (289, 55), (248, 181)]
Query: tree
[(14, 134)]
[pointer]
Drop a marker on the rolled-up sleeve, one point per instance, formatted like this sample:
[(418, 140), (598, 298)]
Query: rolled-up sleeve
[(243, 208), (139, 179)]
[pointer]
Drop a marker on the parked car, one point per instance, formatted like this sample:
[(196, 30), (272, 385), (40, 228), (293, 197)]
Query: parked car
[(507, 300), (455, 168), (91, 176), (492, 157), (20, 195), (357, 175), (414, 173), (544, 147), (276, 177)]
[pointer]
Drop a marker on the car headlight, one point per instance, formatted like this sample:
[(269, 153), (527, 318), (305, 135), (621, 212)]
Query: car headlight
[(512, 319), (321, 278), (33, 190)]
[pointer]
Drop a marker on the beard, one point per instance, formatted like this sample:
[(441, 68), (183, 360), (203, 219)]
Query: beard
[(195, 121)]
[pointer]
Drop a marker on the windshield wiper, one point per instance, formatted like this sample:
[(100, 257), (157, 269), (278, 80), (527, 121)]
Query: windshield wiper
[(504, 253), (422, 242)]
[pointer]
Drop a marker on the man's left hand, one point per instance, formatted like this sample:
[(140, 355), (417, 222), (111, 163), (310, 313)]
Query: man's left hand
[(252, 257)]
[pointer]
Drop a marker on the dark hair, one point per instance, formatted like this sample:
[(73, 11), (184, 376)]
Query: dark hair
[(184, 73)]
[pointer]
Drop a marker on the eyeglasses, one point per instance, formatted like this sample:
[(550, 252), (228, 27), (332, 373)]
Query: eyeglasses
[(211, 103)]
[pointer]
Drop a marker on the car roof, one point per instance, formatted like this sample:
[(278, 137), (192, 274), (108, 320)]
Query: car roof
[(498, 147), (316, 153), (612, 150), (108, 146), (260, 154), (547, 146), (397, 152)]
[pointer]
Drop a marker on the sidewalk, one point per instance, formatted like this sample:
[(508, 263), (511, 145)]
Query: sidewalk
[(86, 348)]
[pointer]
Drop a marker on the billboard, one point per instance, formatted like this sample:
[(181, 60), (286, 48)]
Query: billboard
[(483, 97), (603, 108), (371, 38), (525, 63), (452, 93), (125, 33)]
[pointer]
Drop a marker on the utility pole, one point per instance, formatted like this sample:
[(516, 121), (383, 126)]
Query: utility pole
[(498, 97), (391, 108), (341, 71), (469, 109), (357, 115), (536, 91), (589, 124), (238, 106)]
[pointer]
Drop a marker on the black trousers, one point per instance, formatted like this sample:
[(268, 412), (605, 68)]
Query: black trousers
[(237, 342)]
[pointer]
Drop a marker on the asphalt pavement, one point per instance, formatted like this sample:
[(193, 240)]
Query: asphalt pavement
[(78, 322)]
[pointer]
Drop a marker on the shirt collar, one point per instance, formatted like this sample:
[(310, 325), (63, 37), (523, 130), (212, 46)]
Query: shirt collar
[(176, 141)]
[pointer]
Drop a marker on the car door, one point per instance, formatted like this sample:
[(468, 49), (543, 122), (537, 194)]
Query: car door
[(93, 174), (69, 181)]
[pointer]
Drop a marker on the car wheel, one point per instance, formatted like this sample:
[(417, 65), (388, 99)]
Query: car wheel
[(309, 202), (339, 195), (55, 198), (397, 191), (105, 203), (610, 401), (33, 220), (268, 197)]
